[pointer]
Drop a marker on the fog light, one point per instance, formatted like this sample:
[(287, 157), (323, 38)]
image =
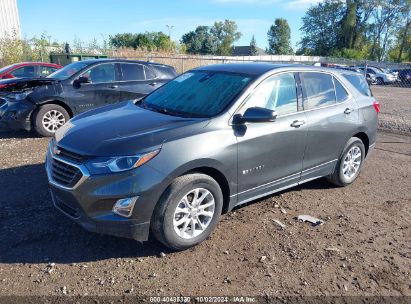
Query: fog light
[(124, 207)]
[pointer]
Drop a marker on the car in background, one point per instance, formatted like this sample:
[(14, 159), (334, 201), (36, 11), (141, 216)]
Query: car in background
[(208, 141), (46, 104), (28, 70), (380, 76), (369, 77), (405, 76), (391, 71)]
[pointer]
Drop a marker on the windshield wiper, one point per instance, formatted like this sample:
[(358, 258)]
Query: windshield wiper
[(158, 110)]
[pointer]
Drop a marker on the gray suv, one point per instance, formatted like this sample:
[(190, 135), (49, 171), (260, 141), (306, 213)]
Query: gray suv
[(211, 139)]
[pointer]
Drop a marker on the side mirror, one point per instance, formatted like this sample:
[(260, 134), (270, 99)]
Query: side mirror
[(81, 80), (255, 114)]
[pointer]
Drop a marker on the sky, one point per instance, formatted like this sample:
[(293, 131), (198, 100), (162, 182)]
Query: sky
[(65, 20)]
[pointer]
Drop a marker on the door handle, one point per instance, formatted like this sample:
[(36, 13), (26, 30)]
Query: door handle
[(153, 84), (113, 87), (348, 110), (297, 123)]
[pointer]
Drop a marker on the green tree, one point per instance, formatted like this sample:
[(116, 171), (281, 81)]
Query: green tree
[(226, 32), (354, 23), (279, 36), (124, 40), (321, 28), (401, 49), (386, 14), (149, 41), (200, 41), (253, 47)]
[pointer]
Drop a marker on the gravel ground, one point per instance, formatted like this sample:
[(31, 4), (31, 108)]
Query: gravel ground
[(395, 101), (362, 249)]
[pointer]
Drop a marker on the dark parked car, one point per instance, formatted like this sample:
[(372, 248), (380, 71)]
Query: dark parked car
[(213, 138), (405, 76), (45, 104), (28, 70)]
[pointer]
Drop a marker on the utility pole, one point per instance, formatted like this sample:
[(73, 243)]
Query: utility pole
[(170, 27)]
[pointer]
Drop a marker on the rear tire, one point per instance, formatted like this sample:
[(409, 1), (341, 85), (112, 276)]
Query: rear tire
[(380, 81), (349, 165), (49, 118), (175, 215)]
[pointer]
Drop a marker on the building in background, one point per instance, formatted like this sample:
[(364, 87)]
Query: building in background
[(246, 51), (9, 19)]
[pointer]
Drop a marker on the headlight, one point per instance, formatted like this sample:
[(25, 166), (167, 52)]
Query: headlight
[(103, 165), (18, 96)]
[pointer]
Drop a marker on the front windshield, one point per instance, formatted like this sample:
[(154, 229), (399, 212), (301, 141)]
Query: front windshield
[(197, 93), (68, 70)]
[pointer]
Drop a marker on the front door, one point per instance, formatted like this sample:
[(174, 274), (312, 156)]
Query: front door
[(270, 154), (102, 90)]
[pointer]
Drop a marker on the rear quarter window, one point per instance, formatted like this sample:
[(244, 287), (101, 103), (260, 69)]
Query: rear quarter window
[(340, 92), (359, 82), (164, 72)]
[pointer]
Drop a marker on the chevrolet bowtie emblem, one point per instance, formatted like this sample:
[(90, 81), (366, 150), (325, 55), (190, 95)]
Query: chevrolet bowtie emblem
[(56, 151)]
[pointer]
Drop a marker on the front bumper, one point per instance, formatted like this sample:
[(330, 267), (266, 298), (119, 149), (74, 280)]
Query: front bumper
[(16, 115), (90, 201)]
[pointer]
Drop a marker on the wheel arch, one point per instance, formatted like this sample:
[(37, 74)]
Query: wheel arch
[(219, 177), (58, 102), (365, 140)]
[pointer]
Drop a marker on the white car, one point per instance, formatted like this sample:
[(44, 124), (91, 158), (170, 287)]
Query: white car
[(381, 76)]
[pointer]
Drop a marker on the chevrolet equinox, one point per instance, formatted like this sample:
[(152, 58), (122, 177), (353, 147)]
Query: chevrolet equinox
[(211, 139)]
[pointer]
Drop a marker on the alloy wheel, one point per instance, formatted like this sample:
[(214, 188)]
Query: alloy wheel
[(52, 120), (194, 213), (352, 162)]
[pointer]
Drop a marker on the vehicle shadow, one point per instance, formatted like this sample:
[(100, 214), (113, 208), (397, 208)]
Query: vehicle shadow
[(4, 134), (33, 231)]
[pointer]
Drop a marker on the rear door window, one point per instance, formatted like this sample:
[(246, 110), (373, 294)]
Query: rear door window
[(359, 82), (132, 72), (318, 90)]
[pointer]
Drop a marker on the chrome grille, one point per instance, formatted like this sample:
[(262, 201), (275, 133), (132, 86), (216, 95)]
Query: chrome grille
[(77, 158), (65, 174)]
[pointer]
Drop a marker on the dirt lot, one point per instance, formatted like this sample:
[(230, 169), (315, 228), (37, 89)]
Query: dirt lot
[(363, 248), (395, 103)]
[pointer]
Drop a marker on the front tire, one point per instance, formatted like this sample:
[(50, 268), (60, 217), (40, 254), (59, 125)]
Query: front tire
[(49, 118), (380, 81), (349, 165), (188, 211)]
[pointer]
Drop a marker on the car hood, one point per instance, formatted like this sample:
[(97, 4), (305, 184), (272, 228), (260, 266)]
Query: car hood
[(123, 129), (21, 84)]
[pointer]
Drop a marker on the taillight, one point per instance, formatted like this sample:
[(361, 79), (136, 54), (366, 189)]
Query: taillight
[(377, 107)]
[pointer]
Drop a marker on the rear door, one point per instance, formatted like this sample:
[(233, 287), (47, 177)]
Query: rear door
[(332, 117), (270, 154), (137, 81), (102, 90)]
